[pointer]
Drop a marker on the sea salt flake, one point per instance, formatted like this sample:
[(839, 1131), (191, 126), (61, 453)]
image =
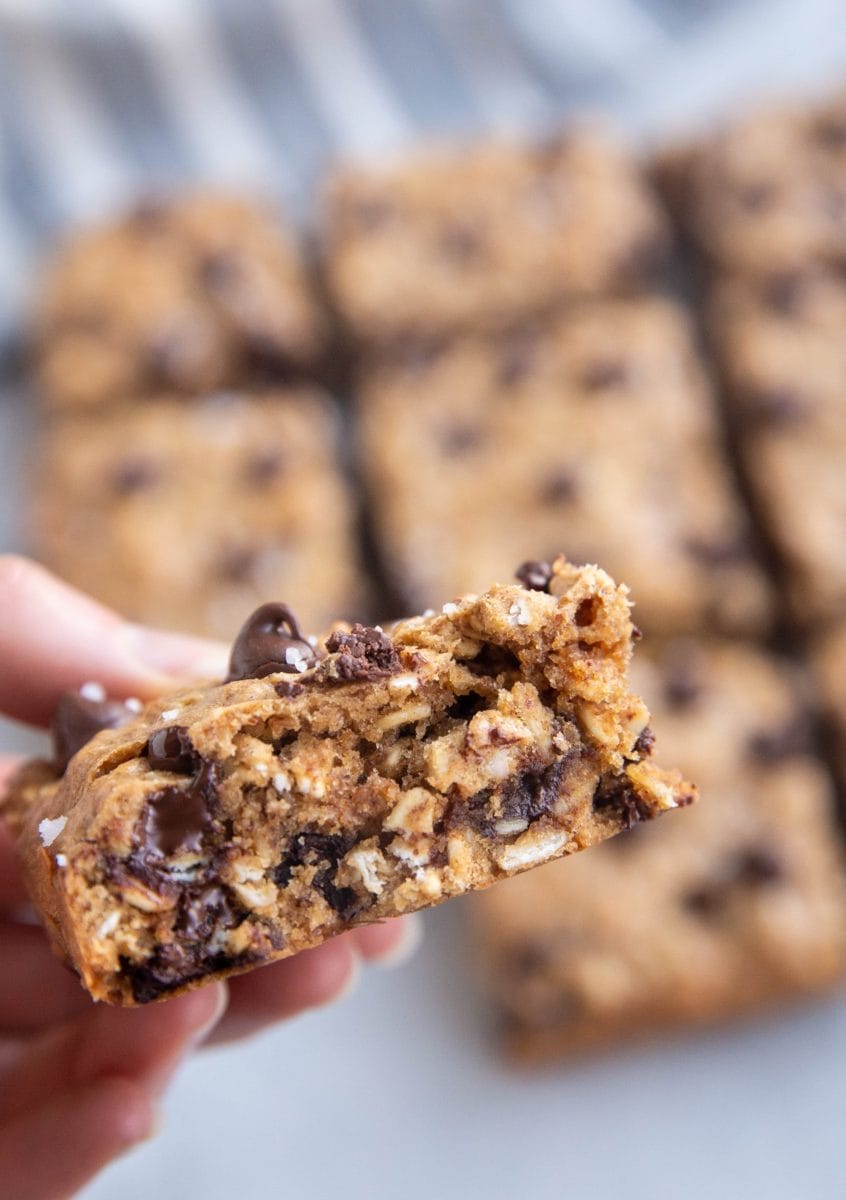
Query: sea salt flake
[(169, 714), (50, 828)]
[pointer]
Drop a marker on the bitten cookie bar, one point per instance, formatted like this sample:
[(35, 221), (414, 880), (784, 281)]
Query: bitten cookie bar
[(596, 433), (186, 516), (781, 349), (768, 192), (185, 295), (737, 907), (468, 237), (328, 785)]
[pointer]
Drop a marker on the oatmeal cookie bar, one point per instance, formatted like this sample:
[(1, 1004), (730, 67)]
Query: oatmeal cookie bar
[(736, 908), (767, 192), (780, 345), (189, 515), (190, 294), (596, 432), (469, 236), (325, 785)]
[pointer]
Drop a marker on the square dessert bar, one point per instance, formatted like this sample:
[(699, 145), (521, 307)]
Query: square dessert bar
[(327, 784), (464, 237), (737, 907), (767, 192), (596, 432), (782, 351), (190, 294), (188, 515)]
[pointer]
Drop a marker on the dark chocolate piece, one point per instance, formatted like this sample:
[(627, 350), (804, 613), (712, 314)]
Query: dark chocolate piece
[(534, 575), (364, 653), (171, 749), (559, 487), (77, 719), (177, 817), (270, 641)]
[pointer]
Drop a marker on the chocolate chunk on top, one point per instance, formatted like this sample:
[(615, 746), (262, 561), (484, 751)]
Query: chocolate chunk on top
[(270, 641), (534, 575), (365, 653), (78, 718)]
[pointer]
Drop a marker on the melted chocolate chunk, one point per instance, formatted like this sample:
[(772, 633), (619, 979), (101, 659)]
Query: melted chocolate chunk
[(645, 742), (264, 467), (171, 966), (772, 746), (363, 653), (171, 749), (525, 797), (134, 475), (325, 852), (618, 796), (604, 373), (205, 911), (536, 576), (77, 719), (559, 487), (270, 641), (177, 817)]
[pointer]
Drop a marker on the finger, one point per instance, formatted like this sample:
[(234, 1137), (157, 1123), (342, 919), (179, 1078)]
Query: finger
[(37, 990), (12, 890), (50, 1153), (145, 1044), (52, 638), (284, 989), (389, 943)]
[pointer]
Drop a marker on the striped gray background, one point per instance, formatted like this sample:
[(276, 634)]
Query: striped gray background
[(102, 98)]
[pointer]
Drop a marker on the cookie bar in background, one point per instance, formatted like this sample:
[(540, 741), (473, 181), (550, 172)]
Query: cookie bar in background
[(596, 432), (189, 515), (780, 344), (738, 907), (325, 786), (467, 237), (829, 657), (186, 295), (768, 192)]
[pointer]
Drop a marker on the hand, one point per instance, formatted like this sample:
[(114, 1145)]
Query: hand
[(79, 1082)]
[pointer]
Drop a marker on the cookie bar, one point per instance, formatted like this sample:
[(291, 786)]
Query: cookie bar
[(779, 340), (188, 515), (768, 192), (325, 785), (596, 432), (186, 295), (470, 236), (735, 908)]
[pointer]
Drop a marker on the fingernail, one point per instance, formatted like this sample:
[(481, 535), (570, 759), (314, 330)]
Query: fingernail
[(350, 983), (178, 655), (408, 944)]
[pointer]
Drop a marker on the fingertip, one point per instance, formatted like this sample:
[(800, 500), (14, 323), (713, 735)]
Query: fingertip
[(127, 1110), (392, 943), (194, 1015)]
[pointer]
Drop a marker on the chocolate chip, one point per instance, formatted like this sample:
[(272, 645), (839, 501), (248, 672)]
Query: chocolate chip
[(323, 851), (461, 242), (264, 467), (759, 865), (775, 408), (204, 912), (753, 868), (172, 965), (645, 742), (177, 817), (518, 354), (618, 797), (134, 475), (171, 749), (559, 487), (784, 291), (756, 196), (769, 747), (526, 797), (534, 575), (270, 641), (604, 373), (286, 690), (364, 653), (458, 439), (723, 552), (237, 564), (77, 719)]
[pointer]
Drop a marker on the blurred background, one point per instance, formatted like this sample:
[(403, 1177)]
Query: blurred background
[(404, 1088)]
